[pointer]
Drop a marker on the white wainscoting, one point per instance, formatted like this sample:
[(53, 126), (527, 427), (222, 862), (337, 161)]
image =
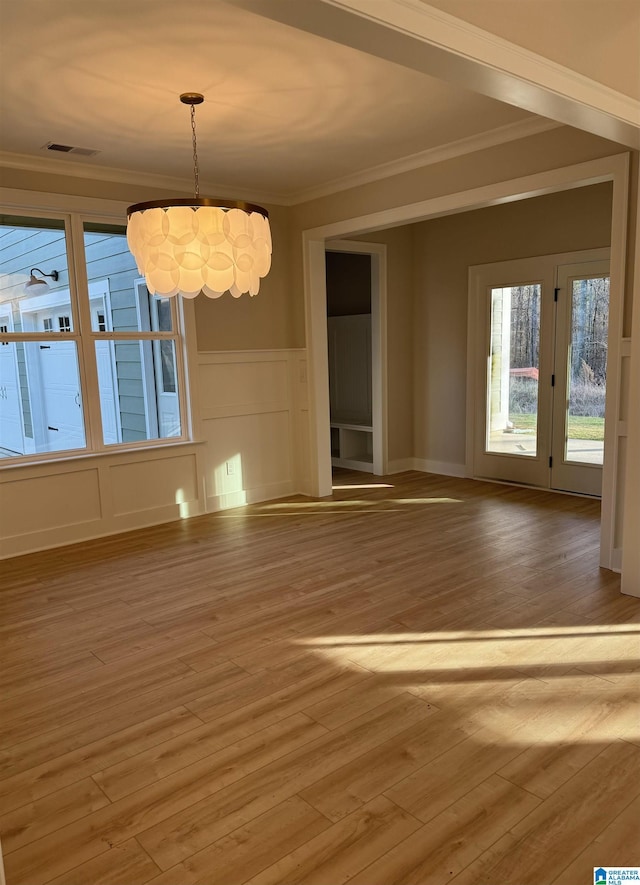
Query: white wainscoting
[(53, 503), (252, 416), (250, 412)]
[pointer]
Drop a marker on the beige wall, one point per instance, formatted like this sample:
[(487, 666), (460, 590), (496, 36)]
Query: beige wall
[(443, 249), (263, 322)]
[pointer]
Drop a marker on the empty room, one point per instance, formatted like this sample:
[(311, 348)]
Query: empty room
[(319, 442)]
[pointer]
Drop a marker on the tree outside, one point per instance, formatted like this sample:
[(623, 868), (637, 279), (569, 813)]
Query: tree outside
[(588, 359)]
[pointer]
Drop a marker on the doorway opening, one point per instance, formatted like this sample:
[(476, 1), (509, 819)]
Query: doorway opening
[(356, 349), (611, 168)]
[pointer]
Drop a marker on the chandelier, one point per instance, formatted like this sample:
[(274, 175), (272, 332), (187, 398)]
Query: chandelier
[(184, 247)]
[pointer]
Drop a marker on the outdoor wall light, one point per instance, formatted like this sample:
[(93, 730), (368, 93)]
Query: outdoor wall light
[(37, 286), (201, 245)]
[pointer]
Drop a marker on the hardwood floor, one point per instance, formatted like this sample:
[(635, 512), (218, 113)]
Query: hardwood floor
[(420, 681)]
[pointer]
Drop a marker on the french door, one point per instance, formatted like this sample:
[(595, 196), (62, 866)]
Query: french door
[(538, 364)]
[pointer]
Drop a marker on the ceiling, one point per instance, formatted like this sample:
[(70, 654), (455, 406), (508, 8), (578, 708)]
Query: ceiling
[(285, 112)]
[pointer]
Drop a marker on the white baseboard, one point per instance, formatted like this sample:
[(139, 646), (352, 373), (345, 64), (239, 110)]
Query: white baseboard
[(444, 468), (49, 539), (616, 560), (400, 465), (348, 464)]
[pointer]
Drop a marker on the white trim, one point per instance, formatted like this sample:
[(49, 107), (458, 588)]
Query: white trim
[(400, 465), (533, 471), (442, 468), (315, 288), (513, 190), (426, 465), (613, 168), (78, 169), (147, 371), (630, 562), (613, 406), (58, 205), (438, 154), (462, 53)]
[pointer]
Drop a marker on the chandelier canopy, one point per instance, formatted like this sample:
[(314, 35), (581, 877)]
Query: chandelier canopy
[(187, 246)]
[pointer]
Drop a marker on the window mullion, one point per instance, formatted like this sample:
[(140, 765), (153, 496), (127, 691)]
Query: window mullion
[(88, 365)]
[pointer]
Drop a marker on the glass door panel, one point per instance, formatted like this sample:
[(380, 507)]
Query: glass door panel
[(514, 368), (511, 347), (588, 371), (581, 377)]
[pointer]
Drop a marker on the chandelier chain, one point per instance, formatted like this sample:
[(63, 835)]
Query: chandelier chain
[(196, 172)]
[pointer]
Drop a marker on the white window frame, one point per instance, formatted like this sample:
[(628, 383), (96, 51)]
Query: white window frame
[(74, 213)]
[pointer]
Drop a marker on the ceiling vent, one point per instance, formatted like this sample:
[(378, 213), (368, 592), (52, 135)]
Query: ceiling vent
[(69, 149)]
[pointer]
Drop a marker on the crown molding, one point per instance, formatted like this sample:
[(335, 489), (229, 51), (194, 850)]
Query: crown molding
[(75, 169), (481, 141), (438, 154)]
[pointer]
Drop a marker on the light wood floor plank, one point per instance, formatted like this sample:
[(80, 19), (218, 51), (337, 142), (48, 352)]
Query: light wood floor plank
[(426, 681), (189, 831), (347, 847), (248, 850), (36, 819), (63, 739), (453, 839), (65, 769), (164, 759), (121, 865), (356, 783), (116, 823), (563, 825), (617, 845)]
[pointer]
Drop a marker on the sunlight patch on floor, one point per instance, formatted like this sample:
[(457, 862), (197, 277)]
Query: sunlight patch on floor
[(527, 686), (306, 505), (371, 485)]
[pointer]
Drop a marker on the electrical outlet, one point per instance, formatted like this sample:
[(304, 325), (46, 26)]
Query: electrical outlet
[(231, 468)]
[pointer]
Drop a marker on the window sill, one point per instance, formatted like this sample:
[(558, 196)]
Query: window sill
[(157, 450)]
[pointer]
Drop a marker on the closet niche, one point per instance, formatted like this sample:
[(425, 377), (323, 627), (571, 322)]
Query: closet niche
[(349, 338)]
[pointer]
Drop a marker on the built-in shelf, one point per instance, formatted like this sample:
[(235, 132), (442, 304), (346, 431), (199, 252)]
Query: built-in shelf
[(350, 391), (352, 445)]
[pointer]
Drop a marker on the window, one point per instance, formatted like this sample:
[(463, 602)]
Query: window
[(110, 370)]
